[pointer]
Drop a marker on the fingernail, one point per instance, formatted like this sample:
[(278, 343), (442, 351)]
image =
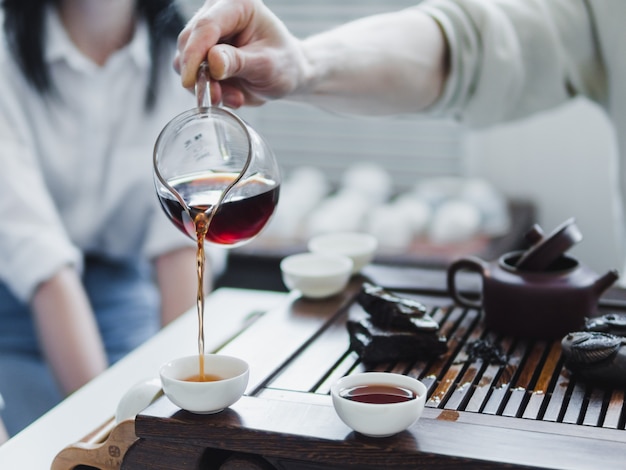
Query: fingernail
[(225, 69)]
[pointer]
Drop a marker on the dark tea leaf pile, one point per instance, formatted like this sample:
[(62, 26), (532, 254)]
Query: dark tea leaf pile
[(485, 351), (390, 328)]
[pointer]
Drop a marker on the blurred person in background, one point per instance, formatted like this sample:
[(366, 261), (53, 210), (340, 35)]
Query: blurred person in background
[(90, 267)]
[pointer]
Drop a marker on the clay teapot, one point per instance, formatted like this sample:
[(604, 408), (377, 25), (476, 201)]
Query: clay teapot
[(541, 300)]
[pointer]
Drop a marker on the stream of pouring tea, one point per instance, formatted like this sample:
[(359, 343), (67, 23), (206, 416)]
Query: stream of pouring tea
[(201, 222)]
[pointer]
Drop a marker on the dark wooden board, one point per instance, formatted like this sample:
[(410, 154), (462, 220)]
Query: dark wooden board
[(527, 413)]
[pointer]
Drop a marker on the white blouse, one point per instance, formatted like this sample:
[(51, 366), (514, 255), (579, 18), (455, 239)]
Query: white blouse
[(76, 168)]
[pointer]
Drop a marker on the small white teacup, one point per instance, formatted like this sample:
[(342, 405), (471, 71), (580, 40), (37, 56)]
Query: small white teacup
[(360, 247), (316, 275), (225, 381), (378, 404)]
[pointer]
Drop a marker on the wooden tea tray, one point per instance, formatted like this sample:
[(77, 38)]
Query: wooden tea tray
[(104, 448), (528, 413)]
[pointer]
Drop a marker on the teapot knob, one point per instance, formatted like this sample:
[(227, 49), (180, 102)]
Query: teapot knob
[(548, 249), (534, 235)]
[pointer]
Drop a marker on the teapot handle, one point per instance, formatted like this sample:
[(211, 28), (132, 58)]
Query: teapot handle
[(469, 263)]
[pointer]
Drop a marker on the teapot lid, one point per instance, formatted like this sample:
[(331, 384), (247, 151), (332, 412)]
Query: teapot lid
[(547, 249)]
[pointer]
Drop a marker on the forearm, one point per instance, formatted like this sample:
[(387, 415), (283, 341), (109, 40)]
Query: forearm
[(68, 330), (384, 64)]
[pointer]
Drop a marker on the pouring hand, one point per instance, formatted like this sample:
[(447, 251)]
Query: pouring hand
[(250, 52)]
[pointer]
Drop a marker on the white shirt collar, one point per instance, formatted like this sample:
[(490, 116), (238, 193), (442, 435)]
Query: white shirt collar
[(59, 46)]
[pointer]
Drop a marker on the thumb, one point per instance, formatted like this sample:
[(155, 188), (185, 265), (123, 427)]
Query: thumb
[(225, 61)]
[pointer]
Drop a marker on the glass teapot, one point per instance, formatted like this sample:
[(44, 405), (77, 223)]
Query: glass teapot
[(214, 173)]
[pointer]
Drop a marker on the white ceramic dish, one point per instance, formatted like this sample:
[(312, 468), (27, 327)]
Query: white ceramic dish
[(205, 397), (136, 398), (316, 275), (378, 419), (358, 246)]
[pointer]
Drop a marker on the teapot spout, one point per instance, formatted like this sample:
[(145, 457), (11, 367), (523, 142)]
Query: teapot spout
[(604, 282)]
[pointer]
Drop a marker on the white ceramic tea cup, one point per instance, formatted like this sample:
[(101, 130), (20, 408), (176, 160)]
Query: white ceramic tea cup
[(316, 275), (360, 247), (379, 419), (136, 398), (230, 381)]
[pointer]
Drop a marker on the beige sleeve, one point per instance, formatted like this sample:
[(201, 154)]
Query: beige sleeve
[(510, 59)]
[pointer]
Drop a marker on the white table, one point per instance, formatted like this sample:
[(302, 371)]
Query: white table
[(226, 312)]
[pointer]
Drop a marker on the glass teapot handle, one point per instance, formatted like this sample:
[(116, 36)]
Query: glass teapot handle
[(203, 100), (203, 86)]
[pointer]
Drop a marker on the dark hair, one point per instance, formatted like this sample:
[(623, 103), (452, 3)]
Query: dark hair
[(24, 29)]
